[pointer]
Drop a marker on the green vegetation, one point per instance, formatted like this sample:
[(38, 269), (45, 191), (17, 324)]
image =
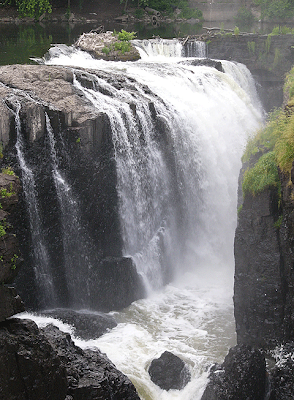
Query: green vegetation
[(244, 18), (31, 8), (278, 222), (122, 44), (276, 9), (236, 31), (167, 6), (5, 193), (125, 36), (2, 229), (123, 47), (262, 175), (13, 261), (251, 47), (275, 146), (8, 171)]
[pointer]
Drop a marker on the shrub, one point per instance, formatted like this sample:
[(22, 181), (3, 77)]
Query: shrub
[(263, 175), (125, 36)]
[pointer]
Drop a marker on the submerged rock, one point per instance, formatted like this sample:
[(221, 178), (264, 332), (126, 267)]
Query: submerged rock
[(207, 62), (169, 372), (242, 376), (87, 325)]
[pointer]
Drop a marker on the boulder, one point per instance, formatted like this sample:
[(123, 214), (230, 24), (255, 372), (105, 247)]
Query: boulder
[(90, 374), (169, 372), (87, 325), (242, 376), (29, 367)]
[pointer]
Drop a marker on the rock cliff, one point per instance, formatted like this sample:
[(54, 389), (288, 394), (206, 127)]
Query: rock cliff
[(268, 57)]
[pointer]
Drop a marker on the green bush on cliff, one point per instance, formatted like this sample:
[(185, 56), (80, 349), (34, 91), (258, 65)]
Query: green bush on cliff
[(263, 175), (275, 145)]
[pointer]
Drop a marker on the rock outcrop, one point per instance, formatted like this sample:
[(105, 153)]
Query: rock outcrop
[(242, 376), (259, 294), (29, 367), (107, 46), (90, 374), (45, 364)]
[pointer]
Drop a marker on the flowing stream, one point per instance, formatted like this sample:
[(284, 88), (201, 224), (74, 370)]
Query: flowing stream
[(181, 201)]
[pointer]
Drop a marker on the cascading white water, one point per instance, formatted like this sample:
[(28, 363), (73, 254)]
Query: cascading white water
[(170, 48), (40, 255), (205, 117)]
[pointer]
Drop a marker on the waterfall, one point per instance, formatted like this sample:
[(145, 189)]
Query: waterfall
[(178, 132), (39, 255), (177, 183)]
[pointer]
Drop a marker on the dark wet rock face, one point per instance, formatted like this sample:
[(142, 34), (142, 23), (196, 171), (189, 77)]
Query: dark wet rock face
[(45, 364), (242, 376), (29, 367), (121, 284), (268, 58), (90, 374), (259, 290), (10, 257), (169, 372)]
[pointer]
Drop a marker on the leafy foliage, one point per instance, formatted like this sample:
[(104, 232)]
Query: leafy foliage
[(125, 36), (276, 9), (31, 8)]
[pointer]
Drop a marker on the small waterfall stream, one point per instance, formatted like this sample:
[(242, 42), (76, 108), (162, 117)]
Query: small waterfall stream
[(40, 257), (178, 132), (75, 243)]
